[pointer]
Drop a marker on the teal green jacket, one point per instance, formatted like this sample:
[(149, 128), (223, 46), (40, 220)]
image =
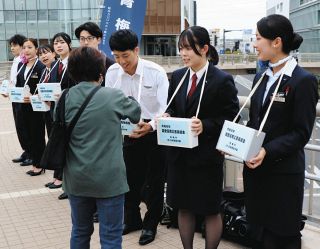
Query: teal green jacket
[(94, 164)]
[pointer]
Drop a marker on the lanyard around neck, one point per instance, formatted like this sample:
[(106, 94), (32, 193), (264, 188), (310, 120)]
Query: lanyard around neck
[(180, 84), (31, 71)]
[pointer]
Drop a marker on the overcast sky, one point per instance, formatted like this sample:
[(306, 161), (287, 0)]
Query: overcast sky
[(230, 14)]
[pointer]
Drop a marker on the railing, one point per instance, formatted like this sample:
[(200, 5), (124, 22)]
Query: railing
[(229, 59), (311, 177), (5, 70)]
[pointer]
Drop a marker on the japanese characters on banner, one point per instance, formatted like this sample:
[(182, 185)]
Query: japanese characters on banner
[(121, 14)]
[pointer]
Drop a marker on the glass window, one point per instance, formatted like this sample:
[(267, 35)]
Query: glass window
[(74, 25), (20, 16), (95, 3), (4, 47), (75, 4), (42, 15), (86, 14), (8, 5), (318, 16), (1, 17), (54, 27), (10, 30), (58, 4), (33, 30), (43, 29), (85, 4), (2, 32), (32, 16), (76, 15), (22, 29), (31, 4), (20, 4), (9, 16), (53, 15), (42, 4)]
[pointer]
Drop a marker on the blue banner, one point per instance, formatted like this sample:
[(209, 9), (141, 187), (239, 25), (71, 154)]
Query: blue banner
[(121, 14)]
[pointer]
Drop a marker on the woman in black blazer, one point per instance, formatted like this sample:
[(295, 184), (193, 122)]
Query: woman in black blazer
[(195, 175), (274, 179), (29, 77), (59, 73)]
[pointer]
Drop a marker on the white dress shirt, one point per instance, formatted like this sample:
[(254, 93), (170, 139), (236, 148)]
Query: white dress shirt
[(199, 76), (287, 70), (14, 69), (154, 87), (65, 62)]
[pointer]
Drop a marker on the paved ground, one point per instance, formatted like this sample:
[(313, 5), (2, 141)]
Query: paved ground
[(32, 217)]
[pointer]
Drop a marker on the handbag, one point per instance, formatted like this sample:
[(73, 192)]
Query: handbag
[(54, 155), (235, 225)]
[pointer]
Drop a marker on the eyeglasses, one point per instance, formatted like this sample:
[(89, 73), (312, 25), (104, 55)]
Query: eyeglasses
[(88, 39)]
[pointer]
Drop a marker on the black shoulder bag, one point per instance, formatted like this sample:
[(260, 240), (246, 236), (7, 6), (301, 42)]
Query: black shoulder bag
[(54, 155)]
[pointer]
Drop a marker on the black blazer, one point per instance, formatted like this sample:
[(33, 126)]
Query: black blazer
[(109, 62), (34, 78), (66, 82), (289, 124), (219, 103)]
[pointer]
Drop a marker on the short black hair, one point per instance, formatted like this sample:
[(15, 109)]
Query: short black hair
[(273, 26), (91, 27), (17, 39), (86, 64), (122, 40), (45, 47), (64, 36)]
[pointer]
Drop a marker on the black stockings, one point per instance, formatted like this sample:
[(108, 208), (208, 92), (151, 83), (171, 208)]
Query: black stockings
[(187, 224)]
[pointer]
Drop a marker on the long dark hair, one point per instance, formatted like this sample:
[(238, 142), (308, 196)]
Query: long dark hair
[(197, 35), (273, 26)]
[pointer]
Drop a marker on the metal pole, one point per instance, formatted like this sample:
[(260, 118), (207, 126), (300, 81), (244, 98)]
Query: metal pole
[(311, 187), (224, 41)]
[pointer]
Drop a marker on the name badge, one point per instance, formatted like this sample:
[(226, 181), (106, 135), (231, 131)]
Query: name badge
[(38, 105), (127, 127), (4, 88), (47, 91), (280, 97), (176, 132), (16, 94)]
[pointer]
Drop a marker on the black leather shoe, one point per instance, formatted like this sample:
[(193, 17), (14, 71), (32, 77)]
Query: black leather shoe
[(26, 162), (63, 196), (48, 184), (130, 228), (29, 172), (37, 173), (18, 160), (146, 237), (53, 186)]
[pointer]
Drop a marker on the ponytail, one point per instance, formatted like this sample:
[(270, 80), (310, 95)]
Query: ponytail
[(212, 55)]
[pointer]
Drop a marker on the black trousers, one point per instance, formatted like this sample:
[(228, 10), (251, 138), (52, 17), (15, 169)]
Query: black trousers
[(48, 122), (33, 122), (21, 130), (145, 165)]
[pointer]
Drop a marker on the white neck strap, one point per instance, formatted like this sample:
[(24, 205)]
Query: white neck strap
[(180, 84)]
